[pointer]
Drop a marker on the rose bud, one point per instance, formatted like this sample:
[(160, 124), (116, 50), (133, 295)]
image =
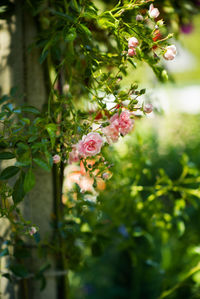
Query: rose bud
[(131, 52), (148, 108), (153, 12), (133, 42), (56, 159), (32, 230), (139, 18), (170, 52)]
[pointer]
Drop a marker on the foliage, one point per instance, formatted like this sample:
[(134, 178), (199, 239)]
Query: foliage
[(84, 48), (148, 220)]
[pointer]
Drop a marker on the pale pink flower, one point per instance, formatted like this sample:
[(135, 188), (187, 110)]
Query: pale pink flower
[(139, 18), (153, 12), (131, 52), (170, 53), (73, 155), (148, 108), (123, 122), (133, 42), (111, 132), (90, 145), (56, 159), (32, 230)]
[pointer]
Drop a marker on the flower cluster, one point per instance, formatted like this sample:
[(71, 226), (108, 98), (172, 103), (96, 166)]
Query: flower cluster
[(132, 44), (119, 124), (91, 144), (122, 121), (169, 52)]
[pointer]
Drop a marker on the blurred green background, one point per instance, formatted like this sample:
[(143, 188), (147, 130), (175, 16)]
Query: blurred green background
[(144, 241)]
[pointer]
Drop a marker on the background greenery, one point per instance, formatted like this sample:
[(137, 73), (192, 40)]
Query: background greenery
[(148, 238), (148, 245)]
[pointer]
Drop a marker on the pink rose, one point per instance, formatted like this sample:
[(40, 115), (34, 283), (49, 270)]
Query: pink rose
[(56, 159), (133, 42), (170, 52), (148, 108), (73, 155), (111, 132), (32, 230), (90, 145), (139, 18), (153, 12), (123, 122), (131, 52)]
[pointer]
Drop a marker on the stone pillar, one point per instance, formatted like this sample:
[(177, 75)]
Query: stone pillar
[(20, 67)]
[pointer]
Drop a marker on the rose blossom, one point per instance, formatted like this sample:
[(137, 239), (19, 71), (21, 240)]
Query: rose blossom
[(153, 12), (170, 52), (90, 145), (131, 52), (122, 122), (56, 159), (32, 230), (111, 132), (139, 18), (73, 155), (148, 108), (133, 42)]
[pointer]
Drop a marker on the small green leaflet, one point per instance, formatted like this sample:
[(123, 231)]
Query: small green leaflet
[(6, 156), (29, 181), (51, 129), (18, 190), (9, 172), (43, 164)]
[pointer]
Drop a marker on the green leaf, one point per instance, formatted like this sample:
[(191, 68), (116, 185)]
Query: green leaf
[(9, 172), (107, 20), (30, 109), (85, 30), (43, 56), (41, 163), (43, 268), (6, 156), (3, 144), (19, 270), (29, 181), (62, 15), (51, 129), (74, 5), (4, 252), (71, 35), (32, 138), (4, 99), (18, 190)]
